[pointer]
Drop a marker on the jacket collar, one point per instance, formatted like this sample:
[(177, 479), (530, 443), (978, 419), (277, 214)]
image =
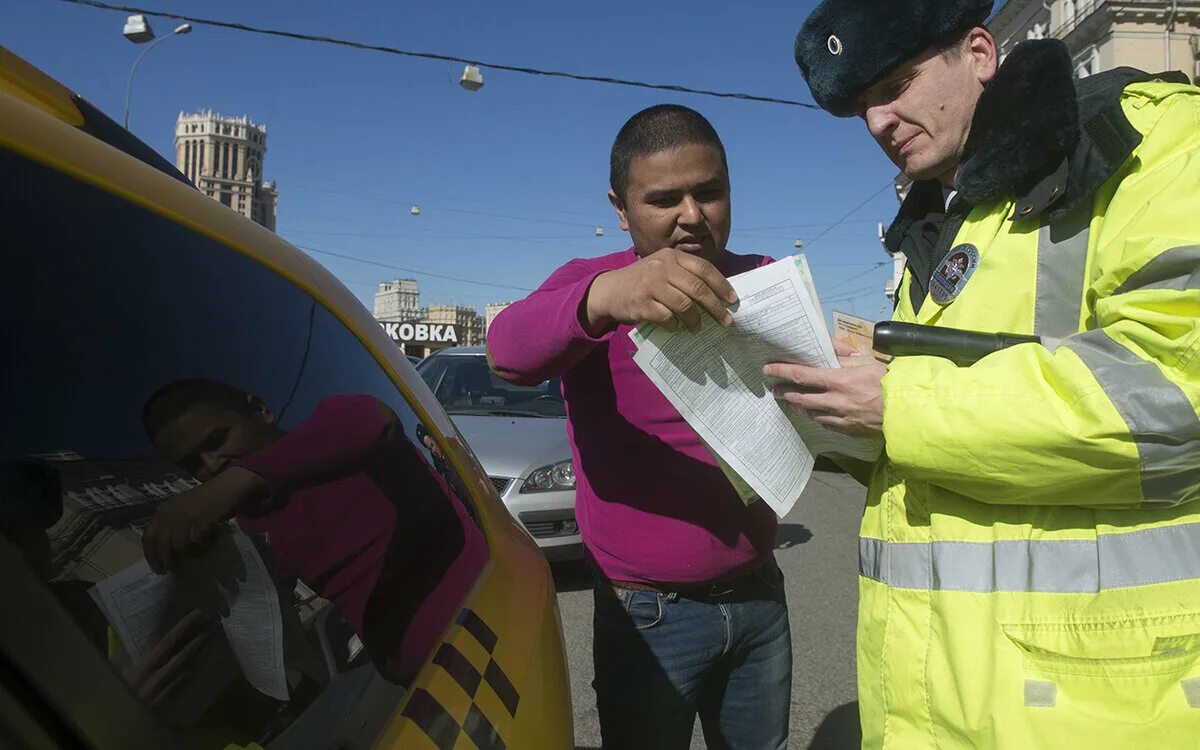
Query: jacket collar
[(1038, 135)]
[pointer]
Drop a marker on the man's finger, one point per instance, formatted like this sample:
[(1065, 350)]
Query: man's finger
[(835, 423), (805, 399), (844, 348), (658, 313), (156, 699), (814, 402), (809, 377), (185, 653), (170, 641), (711, 277), (698, 289), (683, 307)]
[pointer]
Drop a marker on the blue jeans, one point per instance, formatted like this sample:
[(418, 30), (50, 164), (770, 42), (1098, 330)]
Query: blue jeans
[(662, 658)]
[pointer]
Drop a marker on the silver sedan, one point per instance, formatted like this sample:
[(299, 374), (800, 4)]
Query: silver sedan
[(519, 434)]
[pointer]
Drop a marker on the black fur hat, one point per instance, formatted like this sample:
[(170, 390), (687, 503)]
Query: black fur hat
[(845, 46)]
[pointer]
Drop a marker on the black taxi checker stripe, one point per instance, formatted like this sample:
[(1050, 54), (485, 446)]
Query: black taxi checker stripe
[(437, 723)]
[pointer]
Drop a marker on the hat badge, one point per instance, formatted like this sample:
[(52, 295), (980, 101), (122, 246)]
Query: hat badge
[(834, 44)]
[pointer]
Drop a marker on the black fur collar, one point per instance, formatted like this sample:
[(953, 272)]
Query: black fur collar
[(1025, 125)]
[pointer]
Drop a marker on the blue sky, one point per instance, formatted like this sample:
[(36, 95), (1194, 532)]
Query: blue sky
[(511, 179)]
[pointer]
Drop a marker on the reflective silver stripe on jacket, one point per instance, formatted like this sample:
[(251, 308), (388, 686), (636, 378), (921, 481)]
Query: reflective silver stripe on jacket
[(1177, 269), (1161, 420), (1111, 561), (1061, 273)]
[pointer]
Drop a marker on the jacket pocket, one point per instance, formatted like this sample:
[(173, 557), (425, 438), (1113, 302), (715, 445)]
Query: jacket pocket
[(1124, 682)]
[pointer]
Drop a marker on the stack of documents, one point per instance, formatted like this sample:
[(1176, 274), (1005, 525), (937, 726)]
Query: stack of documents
[(229, 581), (714, 378)]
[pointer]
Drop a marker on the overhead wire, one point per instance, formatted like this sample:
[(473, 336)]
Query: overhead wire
[(855, 294), (497, 66), (439, 56), (808, 226), (590, 226), (851, 212), (418, 236), (414, 271), (855, 277), (451, 209), (471, 198), (505, 238)]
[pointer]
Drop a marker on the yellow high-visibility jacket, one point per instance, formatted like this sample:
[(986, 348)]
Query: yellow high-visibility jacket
[(1030, 549)]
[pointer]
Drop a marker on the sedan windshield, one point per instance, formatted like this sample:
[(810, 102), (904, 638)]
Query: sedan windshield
[(463, 384)]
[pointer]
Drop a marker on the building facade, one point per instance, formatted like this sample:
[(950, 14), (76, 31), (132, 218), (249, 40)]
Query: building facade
[(223, 156), (490, 312), (467, 319), (1153, 36), (399, 301)]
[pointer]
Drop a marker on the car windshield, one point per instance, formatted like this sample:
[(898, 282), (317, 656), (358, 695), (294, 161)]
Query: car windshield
[(464, 385)]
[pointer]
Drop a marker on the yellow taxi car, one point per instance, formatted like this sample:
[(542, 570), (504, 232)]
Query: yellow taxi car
[(157, 346)]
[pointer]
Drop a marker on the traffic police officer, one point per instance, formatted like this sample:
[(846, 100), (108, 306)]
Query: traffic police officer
[(1030, 549)]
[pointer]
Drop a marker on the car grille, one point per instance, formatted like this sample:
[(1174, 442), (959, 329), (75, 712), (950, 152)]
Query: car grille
[(541, 527), (500, 483)]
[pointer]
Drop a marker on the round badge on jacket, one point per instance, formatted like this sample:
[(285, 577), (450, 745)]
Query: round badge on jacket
[(952, 274)]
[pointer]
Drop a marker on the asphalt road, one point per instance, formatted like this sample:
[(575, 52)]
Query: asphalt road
[(818, 553)]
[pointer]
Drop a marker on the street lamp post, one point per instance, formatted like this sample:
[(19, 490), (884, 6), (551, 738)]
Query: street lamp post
[(144, 34)]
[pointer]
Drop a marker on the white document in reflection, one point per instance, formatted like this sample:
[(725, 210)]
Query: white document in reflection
[(230, 581), (714, 378)]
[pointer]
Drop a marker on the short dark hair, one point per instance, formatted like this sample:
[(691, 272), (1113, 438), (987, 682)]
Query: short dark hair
[(654, 129), (950, 45), (175, 399)]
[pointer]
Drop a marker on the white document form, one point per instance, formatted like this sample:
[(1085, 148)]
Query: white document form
[(229, 579), (714, 378), (136, 603), (254, 625)]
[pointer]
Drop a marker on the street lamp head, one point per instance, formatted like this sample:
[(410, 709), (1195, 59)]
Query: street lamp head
[(137, 30), (472, 78)]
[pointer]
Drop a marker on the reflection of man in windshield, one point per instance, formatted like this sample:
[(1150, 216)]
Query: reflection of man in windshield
[(344, 500)]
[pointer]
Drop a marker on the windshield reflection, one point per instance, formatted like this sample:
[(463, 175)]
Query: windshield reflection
[(464, 384)]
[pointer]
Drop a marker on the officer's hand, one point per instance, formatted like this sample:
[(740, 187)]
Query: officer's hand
[(849, 400), (183, 523), (668, 287), (171, 661)]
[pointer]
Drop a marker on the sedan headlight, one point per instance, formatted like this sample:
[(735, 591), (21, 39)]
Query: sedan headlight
[(552, 478)]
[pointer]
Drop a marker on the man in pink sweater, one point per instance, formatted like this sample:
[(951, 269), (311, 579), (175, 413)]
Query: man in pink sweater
[(689, 615), (344, 500)]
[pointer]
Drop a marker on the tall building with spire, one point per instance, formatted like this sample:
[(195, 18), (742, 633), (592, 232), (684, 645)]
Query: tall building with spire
[(223, 156)]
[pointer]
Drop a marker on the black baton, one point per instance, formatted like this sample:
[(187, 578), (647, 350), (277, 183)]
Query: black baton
[(955, 344)]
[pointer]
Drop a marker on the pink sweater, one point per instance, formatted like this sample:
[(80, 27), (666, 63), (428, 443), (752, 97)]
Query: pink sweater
[(651, 503), (367, 523)]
